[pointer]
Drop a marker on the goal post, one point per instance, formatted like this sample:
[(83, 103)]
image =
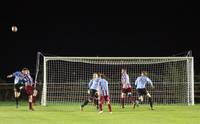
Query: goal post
[(65, 79), (190, 71)]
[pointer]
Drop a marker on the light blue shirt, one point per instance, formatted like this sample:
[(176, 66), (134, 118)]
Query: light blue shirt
[(93, 84), (19, 77), (141, 82)]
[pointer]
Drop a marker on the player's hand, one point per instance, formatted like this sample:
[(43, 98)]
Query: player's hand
[(88, 91), (9, 76)]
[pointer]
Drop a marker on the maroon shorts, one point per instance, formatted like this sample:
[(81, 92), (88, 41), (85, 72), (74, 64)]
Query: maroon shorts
[(29, 90), (127, 90), (104, 98)]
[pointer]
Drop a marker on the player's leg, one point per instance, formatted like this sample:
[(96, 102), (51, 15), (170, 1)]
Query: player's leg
[(34, 99), (150, 100), (85, 102), (138, 101), (108, 103), (131, 98), (140, 97), (29, 92), (123, 95), (130, 95), (17, 99), (90, 99), (17, 94), (96, 100), (34, 96), (101, 101), (30, 102)]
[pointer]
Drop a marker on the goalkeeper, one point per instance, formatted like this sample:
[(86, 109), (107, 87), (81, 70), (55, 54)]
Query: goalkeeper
[(140, 84), (92, 91)]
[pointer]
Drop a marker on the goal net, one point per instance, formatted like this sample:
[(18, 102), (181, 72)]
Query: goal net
[(65, 79)]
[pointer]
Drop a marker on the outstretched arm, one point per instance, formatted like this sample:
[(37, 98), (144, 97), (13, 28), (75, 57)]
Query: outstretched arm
[(12, 75), (9, 76)]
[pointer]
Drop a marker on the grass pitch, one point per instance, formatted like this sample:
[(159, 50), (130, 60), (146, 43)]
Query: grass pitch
[(70, 114)]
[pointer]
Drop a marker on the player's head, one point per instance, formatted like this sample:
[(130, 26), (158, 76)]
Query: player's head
[(99, 75), (144, 73), (102, 76), (25, 71), (95, 75), (124, 70)]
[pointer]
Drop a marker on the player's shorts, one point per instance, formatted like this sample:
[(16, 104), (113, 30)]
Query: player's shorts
[(93, 93), (104, 98), (29, 90), (142, 92), (126, 90), (17, 87)]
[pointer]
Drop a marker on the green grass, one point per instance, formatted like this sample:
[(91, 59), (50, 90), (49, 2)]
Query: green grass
[(70, 114)]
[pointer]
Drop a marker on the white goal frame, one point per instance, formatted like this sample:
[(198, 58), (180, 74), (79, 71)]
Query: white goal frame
[(189, 70)]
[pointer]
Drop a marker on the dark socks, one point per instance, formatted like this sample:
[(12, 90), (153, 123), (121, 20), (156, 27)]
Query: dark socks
[(30, 106), (150, 102), (122, 102), (97, 103), (17, 102), (85, 103)]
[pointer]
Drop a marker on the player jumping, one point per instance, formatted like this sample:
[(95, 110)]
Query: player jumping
[(18, 83), (126, 88), (103, 93), (140, 84)]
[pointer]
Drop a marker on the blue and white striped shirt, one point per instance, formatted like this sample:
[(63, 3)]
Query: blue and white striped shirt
[(103, 87), (28, 79)]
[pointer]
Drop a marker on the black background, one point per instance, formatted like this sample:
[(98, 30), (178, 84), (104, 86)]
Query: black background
[(96, 29)]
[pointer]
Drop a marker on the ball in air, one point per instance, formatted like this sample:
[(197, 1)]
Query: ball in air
[(14, 28)]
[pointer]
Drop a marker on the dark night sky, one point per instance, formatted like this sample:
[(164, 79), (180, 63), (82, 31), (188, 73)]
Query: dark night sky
[(107, 31)]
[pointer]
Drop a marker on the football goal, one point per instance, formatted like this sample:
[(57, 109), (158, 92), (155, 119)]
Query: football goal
[(65, 79)]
